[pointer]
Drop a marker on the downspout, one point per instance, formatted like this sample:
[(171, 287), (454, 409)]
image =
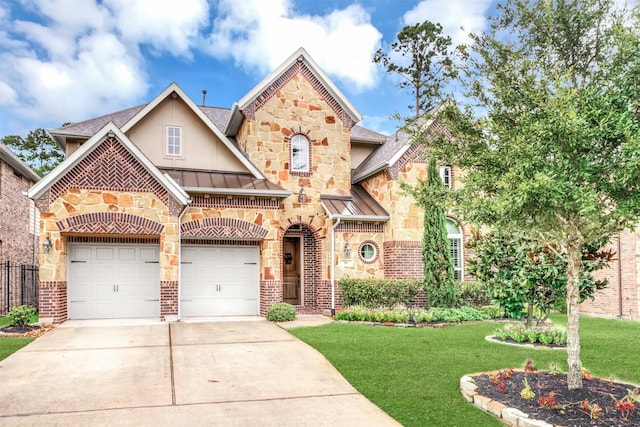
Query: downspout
[(184, 211), (333, 268)]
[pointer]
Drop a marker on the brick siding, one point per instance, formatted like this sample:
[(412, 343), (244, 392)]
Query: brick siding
[(53, 300), (18, 244), (168, 298), (620, 298), (402, 259)]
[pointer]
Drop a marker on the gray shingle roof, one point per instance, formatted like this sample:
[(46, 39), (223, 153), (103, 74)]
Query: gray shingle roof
[(91, 126), (363, 134)]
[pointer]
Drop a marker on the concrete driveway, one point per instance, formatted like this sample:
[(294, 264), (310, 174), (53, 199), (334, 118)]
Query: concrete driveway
[(223, 373)]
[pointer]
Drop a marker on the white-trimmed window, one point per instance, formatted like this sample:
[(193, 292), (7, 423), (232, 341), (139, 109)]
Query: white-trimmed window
[(368, 251), (174, 141), (445, 175), (299, 153), (455, 247)]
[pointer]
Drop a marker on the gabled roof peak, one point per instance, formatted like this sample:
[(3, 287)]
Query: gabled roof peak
[(299, 62)]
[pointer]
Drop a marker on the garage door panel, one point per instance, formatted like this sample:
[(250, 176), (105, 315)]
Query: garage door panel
[(216, 281), (111, 281)]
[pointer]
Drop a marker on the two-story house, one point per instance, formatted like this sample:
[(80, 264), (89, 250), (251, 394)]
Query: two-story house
[(172, 209)]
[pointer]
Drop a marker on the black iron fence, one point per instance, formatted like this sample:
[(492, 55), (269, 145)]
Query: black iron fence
[(18, 285)]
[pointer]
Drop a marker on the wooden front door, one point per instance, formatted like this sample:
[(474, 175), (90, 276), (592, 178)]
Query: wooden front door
[(292, 270)]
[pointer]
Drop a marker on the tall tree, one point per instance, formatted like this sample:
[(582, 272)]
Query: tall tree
[(38, 150), (423, 58), (439, 286), (550, 136)]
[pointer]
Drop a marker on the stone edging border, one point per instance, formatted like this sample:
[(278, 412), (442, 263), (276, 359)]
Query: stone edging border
[(510, 416), (492, 338)]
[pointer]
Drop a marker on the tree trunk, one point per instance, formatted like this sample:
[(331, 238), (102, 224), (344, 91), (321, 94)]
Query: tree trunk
[(574, 255)]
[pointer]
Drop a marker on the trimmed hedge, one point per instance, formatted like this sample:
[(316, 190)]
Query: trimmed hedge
[(378, 292)]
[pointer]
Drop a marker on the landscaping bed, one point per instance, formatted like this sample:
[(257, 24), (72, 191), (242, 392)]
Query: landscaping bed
[(593, 405)]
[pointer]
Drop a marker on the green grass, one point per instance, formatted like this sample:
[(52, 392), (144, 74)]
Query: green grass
[(413, 373), (9, 345)]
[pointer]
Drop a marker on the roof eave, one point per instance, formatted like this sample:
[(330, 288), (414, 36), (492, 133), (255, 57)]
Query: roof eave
[(371, 171), (15, 162), (235, 120)]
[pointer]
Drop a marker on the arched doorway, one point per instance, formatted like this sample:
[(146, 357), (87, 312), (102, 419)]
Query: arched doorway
[(301, 266)]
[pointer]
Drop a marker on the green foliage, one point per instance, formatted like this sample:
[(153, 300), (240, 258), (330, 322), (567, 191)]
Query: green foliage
[(19, 315), (439, 286), (281, 312), (429, 69), (521, 333), (38, 150), (403, 315), (523, 276), (548, 130), (473, 293), (377, 293)]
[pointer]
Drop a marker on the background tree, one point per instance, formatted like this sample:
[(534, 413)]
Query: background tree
[(422, 58), (37, 150), (438, 283), (549, 137)]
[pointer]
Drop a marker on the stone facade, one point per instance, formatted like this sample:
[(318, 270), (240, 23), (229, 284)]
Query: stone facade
[(113, 195)]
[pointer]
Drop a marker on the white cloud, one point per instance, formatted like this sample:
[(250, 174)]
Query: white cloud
[(102, 77), (452, 15), (259, 35), (165, 25)]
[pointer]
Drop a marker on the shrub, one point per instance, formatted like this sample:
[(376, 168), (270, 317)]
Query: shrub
[(400, 314), (492, 311), (281, 312), (472, 293), (19, 315), (378, 293)]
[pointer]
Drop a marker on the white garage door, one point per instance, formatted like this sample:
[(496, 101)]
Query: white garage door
[(113, 281), (220, 281)]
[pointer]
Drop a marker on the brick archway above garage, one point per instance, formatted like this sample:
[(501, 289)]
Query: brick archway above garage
[(223, 228), (110, 223)]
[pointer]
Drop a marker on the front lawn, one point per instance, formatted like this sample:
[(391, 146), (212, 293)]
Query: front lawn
[(9, 345), (413, 374)]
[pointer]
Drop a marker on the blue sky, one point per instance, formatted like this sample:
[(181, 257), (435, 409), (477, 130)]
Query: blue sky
[(70, 60)]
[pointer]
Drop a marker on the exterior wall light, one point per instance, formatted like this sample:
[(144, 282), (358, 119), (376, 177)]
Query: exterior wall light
[(347, 250), (47, 245), (302, 196)]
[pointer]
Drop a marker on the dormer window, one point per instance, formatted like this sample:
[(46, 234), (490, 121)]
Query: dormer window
[(299, 153), (174, 141)]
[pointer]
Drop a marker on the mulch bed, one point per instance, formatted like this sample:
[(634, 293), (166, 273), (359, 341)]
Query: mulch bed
[(31, 331), (570, 402)]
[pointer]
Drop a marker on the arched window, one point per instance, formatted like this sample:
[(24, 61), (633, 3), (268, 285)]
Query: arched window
[(455, 247), (299, 153)]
